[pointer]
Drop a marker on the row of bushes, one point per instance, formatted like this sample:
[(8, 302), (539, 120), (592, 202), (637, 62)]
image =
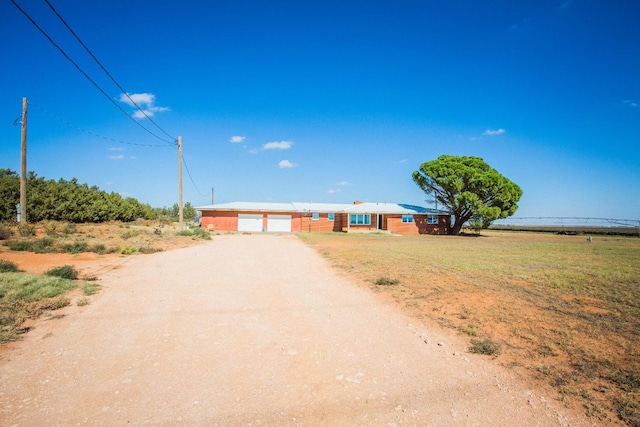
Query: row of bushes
[(71, 201)]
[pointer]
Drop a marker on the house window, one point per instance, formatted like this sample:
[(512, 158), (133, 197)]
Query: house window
[(407, 218), (331, 216), (360, 219), (432, 219), (315, 216)]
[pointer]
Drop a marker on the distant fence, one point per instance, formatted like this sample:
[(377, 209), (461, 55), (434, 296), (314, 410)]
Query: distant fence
[(570, 225)]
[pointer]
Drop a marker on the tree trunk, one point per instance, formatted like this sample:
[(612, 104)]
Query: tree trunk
[(457, 226)]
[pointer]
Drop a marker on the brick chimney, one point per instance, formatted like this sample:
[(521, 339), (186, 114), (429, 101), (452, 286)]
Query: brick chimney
[(357, 202)]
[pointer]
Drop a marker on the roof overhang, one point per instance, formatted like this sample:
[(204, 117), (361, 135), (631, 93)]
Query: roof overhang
[(307, 207)]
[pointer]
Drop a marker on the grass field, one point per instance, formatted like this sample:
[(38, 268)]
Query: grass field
[(562, 308)]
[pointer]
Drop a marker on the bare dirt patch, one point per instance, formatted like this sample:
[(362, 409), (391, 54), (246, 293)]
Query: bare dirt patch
[(131, 238)]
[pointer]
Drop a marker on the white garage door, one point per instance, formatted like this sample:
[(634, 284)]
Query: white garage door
[(248, 222), (279, 223)]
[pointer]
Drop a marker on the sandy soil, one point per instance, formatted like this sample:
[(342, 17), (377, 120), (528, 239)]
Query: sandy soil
[(253, 330)]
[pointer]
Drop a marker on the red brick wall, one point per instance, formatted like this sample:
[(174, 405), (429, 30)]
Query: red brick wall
[(419, 225), (228, 221), (322, 224)]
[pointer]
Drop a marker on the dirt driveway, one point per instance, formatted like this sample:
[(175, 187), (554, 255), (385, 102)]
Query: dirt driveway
[(253, 330)]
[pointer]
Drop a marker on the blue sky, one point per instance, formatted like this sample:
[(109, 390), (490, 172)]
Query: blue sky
[(330, 101)]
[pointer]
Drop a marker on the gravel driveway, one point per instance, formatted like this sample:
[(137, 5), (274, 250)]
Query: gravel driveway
[(253, 330)]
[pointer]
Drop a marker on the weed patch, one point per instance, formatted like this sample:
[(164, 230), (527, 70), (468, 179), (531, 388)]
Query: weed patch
[(24, 296), (486, 346), (130, 234), (66, 272), (196, 233), (8, 267), (628, 410), (469, 330), (26, 230), (75, 247), (128, 250), (38, 246), (385, 281), (90, 288), (5, 232)]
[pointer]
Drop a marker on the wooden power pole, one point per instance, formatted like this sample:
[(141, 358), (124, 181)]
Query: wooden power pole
[(180, 211), (23, 164)]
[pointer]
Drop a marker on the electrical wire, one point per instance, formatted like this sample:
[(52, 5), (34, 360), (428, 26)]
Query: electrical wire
[(191, 178), (88, 132), (105, 70), (35, 24)]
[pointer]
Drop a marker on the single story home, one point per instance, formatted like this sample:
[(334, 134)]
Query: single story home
[(324, 217)]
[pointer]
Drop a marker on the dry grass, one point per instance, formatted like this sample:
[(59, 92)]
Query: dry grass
[(565, 309)]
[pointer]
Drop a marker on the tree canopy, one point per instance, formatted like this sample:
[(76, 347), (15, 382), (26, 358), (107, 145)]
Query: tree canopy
[(469, 188), (71, 201)]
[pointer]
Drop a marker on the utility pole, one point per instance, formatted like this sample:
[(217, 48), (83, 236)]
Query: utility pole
[(212, 196), (23, 164), (180, 211)]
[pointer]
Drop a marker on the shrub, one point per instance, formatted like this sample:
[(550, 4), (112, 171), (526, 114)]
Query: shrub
[(127, 250), (8, 266), (50, 227), (486, 346), (149, 250), (75, 247), (66, 272), (41, 246), (69, 228), (5, 232), (195, 232), (25, 229), (469, 330), (385, 281), (98, 248)]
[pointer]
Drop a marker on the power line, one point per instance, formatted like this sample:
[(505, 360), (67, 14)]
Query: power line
[(105, 70), (191, 178), (88, 132), (35, 24)]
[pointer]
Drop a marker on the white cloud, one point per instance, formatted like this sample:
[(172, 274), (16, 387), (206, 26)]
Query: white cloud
[(284, 164), (237, 139), (492, 132), (631, 103), (343, 183), (118, 157), (146, 102), (116, 149), (332, 191), (282, 145)]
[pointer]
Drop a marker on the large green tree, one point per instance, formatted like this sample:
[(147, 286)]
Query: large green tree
[(469, 188)]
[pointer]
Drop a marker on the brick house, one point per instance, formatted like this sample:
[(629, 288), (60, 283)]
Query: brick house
[(324, 217)]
